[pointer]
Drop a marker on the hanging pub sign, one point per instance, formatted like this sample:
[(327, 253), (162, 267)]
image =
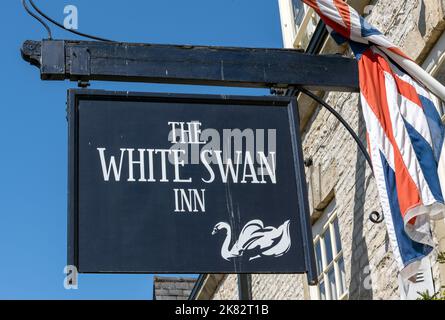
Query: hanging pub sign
[(167, 183)]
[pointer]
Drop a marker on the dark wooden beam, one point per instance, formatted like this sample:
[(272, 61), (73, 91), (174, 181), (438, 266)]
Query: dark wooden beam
[(197, 65)]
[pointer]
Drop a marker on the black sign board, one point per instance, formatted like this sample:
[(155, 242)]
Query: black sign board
[(167, 183)]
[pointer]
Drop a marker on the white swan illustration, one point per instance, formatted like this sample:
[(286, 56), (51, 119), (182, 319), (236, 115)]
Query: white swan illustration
[(255, 239)]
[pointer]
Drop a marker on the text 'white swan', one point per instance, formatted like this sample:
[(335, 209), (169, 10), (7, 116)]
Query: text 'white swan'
[(255, 240)]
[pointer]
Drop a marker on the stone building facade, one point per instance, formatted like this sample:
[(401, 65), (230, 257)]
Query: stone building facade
[(356, 258), (172, 288)]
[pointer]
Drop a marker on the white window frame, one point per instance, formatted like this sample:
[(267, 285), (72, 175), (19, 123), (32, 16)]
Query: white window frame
[(436, 60), (293, 35), (326, 224)]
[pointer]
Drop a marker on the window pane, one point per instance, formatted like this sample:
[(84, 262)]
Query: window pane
[(298, 7), (341, 267), (328, 247), (332, 286), (439, 74), (322, 291), (337, 235), (318, 257)]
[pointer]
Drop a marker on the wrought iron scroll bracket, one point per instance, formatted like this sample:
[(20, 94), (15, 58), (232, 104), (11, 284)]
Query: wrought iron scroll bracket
[(374, 216)]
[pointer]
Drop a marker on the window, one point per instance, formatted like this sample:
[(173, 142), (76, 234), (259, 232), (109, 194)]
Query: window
[(435, 65), (439, 74), (329, 258), (298, 23), (298, 11)]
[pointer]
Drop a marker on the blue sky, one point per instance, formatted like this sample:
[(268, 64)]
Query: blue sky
[(33, 129)]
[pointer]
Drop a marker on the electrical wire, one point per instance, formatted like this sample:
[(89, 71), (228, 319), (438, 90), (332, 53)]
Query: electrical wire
[(39, 19), (39, 11)]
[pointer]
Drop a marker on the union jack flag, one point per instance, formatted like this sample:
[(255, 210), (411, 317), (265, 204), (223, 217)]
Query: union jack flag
[(404, 131)]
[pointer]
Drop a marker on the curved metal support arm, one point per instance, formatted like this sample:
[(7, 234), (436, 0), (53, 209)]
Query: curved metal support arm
[(48, 18), (375, 216), (32, 14), (343, 122)]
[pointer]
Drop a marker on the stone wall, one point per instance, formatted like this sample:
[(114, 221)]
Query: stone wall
[(414, 25), (265, 286), (228, 289), (341, 171), (336, 156), (278, 287), (172, 288)]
